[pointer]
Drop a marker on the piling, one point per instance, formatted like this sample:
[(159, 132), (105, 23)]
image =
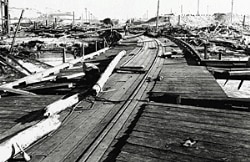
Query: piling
[(64, 55), (205, 51), (96, 46)]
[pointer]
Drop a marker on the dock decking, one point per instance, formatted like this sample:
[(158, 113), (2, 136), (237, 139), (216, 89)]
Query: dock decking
[(163, 130), (129, 121)]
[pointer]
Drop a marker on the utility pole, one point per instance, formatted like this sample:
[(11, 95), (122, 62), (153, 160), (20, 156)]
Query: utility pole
[(86, 12), (157, 19), (232, 8), (73, 20), (198, 7), (207, 9), (181, 9), (89, 17)]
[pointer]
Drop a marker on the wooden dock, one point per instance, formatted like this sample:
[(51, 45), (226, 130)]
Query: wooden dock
[(186, 84), (132, 118), (166, 132)]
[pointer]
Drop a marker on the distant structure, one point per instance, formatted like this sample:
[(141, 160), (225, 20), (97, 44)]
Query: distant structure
[(5, 16)]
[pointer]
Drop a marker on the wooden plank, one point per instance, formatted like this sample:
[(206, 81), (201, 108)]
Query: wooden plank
[(198, 125), (177, 141), (214, 131), (16, 91), (160, 154), (37, 77), (196, 135), (176, 146), (132, 157), (228, 122), (217, 113)]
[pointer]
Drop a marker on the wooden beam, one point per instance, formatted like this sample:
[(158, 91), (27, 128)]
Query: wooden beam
[(25, 138), (65, 103), (17, 91), (104, 77), (38, 77), (61, 105)]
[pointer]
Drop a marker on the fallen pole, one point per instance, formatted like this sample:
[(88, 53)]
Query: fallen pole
[(61, 105), (17, 91), (12, 45), (25, 138), (65, 103), (97, 88)]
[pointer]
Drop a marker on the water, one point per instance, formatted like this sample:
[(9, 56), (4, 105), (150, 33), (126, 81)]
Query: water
[(54, 59)]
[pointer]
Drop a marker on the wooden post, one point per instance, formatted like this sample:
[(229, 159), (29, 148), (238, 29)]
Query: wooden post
[(244, 20), (86, 13), (96, 47), (232, 8), (55, 24), (64, 55), (73, 22), (220, 55), (205, 51), (157, 18), (179, 19), (83, 50), (34, 25)]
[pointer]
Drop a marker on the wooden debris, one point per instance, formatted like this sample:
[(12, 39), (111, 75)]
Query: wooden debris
[(17, 91), (25, 138), (38, 77), (61, 105), (97, 88)]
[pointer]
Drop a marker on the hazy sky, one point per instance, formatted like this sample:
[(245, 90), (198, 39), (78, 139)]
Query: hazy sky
[(133, 8)]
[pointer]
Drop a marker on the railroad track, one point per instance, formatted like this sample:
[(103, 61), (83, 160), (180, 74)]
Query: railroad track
[(118, 120), (186, 47), (102, 121)]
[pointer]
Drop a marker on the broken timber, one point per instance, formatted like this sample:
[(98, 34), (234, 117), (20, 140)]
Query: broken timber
[(97, 88), (62, 104), (25, 138), (34, 78)]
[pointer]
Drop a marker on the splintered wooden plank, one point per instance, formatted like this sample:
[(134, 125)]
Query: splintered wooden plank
[(38, 77), (17, 91)]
